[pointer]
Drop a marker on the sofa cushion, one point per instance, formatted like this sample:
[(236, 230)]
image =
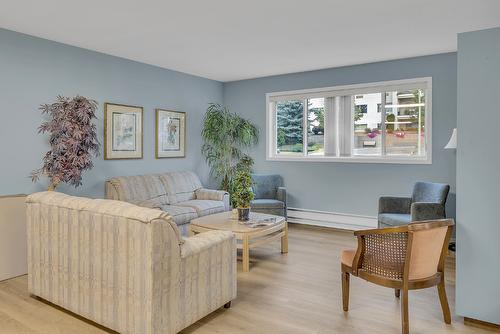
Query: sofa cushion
[(154, 203), (139, 188), (180, 214), (204, 207), (394, 219), (267, 204), (180, 186)]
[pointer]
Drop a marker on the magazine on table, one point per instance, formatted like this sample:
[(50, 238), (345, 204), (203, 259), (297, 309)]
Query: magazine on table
[(260, 222)]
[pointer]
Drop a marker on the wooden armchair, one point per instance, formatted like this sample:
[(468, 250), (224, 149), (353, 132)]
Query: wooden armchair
[(404, 258)]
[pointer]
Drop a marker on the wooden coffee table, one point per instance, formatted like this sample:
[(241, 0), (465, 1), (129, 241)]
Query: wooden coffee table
[(247, 237)]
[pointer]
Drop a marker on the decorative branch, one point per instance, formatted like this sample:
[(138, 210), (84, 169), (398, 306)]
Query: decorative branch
[(73, 140)]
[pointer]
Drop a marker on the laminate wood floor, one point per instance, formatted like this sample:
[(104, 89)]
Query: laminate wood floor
[(294, 293)]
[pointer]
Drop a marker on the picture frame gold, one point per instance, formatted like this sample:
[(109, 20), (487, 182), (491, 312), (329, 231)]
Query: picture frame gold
[(123, 131), (170, 145)]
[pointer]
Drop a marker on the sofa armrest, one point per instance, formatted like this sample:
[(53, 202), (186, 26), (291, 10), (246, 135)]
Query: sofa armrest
[(204, 241), (110, 191), (426, 211), (214, 195), (207, 274), (394, 205), (281, 194), (210, 194)]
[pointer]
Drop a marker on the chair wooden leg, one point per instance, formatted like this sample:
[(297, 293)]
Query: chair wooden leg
[(345, 291), (404, 312), (397, 293), (444, 302)]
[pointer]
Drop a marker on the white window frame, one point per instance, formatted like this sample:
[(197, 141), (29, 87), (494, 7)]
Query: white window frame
[(384, 86)]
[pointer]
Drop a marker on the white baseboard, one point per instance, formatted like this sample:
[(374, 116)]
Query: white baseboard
[(331, 219)]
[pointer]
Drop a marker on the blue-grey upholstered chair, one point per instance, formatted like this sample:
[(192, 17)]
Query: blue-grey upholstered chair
[(427, 202), (269, 195)]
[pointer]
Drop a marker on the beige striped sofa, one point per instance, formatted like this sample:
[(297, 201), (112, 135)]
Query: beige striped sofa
[(180, 194), (123, 266)]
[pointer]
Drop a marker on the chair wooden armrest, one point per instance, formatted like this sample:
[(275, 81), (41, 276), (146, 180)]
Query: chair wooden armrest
[(430, 224), (386, 230)]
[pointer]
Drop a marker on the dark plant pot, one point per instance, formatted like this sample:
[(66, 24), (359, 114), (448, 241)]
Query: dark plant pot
[(243, 214)]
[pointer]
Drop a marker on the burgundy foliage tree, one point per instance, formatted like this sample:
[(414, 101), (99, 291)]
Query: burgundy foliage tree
[(73, 140)]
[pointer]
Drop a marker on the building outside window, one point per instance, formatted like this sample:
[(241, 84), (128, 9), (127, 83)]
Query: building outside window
[(377, 122)]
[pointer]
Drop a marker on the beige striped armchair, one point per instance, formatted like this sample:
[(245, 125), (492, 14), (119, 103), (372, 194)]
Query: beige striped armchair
[(123, 266)]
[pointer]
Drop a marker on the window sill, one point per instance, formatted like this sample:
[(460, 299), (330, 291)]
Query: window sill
[(358, 159)]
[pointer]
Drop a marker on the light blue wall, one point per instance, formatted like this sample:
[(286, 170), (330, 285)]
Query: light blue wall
[(349, 187), (478, 180), (34, 71)]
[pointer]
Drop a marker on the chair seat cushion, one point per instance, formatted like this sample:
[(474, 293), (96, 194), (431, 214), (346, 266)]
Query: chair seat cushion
[(204, 207), (348, 256), (267, 204), (394, 219), (180, 214)]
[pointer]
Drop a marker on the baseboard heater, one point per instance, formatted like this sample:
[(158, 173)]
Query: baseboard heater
[(331, 219)]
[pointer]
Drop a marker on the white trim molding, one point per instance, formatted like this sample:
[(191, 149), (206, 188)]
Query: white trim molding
[(331, 219), (345, 128)]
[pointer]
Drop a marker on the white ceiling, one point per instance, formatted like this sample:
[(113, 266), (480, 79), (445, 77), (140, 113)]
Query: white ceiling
[(229, 40)]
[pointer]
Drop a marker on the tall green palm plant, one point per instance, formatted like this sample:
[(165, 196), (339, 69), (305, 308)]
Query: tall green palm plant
[(226, 137)]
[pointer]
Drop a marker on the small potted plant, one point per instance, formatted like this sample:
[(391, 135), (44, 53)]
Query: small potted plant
[(243, 194)]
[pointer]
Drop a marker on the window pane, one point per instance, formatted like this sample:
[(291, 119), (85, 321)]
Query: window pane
[(289, 134), (316, 126), (405, 123), (367, 124), (383, 122)]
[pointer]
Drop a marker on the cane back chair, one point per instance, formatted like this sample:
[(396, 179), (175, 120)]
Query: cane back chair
[(403, 258)]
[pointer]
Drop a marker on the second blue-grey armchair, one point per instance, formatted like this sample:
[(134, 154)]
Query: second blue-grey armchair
[(427, 202), (269, 195)]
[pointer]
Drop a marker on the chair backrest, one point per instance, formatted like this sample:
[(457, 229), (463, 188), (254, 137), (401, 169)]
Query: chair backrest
[(429, 240), (430, 192), (384, 254), (266, 186)]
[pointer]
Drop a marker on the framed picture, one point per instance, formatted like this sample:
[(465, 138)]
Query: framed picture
[(123, 136), (170, 134)]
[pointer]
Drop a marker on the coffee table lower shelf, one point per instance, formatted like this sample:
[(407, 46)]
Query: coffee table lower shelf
[(251, 237)]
